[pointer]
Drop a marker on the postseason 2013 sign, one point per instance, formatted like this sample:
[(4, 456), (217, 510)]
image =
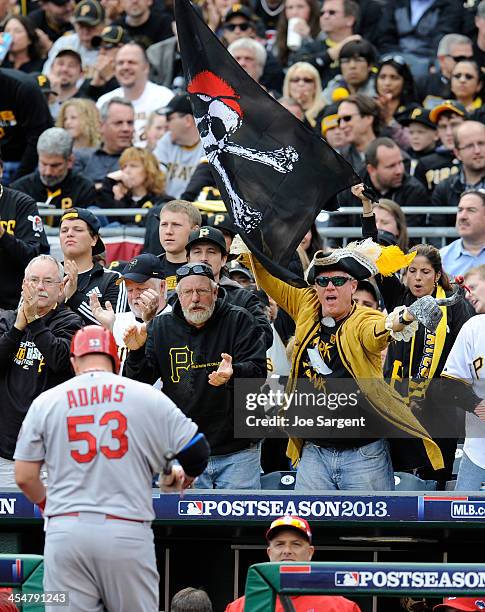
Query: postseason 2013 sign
[(393, 579), (265, 505)]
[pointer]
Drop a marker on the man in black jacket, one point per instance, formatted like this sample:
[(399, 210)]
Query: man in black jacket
[(385, 174), (440, 165), (22, 237), (34, 351), (208, 245), (415, 33), (470, 151), (24, 115), (54, 182), (184, 348), (80, 240)]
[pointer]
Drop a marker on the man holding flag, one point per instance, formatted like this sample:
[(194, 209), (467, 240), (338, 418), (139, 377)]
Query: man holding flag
[(275, 176)]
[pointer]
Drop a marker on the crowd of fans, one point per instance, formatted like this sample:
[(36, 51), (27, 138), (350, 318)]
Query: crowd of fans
[(94, 116)]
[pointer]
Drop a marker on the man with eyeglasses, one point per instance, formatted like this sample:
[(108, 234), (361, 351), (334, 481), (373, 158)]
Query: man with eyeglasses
[(238, 23), (337, 21), (338, 346), (103, 79), (207, 245), (34, 350), (435, 87), (197, 351), (469, 149), (180, 148)]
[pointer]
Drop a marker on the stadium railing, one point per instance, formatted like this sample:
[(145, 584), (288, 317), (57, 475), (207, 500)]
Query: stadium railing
[(440, 234)]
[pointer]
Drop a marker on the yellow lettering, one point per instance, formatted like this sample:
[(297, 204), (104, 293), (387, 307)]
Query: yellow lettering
[(180, 359)]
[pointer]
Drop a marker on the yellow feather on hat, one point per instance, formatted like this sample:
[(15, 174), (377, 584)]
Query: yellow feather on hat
[(393, 259)]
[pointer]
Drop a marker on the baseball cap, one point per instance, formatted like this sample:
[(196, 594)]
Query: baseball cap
[(417, 115), (178, 104), (289, 522), (141, 268), (111, 36), (59, 2), (88, 217), (71, 52), (44, 84), (207, 234), (239, 10), (194, 269), (89, 12), (235, 266), (450, 106), (222, 221), (467, 604)]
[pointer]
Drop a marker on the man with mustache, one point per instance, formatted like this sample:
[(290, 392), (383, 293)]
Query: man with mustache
[(54, 182), (34, 350), (198, 350), (468, 251)]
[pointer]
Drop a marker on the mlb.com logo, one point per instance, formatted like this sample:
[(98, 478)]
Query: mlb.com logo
[(347, 579)]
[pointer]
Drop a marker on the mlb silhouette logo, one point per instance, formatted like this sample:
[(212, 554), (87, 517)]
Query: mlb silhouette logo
[(191, 508), (347, 578), (94, 343)]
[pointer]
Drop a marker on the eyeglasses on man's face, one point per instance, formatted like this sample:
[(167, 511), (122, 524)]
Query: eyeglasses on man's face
[(47, 282), (347, 118), (231, 27)]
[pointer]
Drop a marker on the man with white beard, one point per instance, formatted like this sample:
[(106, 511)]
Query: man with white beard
[(198, 350)]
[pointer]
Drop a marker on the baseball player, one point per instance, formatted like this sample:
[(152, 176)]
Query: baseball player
[(102, 438), (466, 362)]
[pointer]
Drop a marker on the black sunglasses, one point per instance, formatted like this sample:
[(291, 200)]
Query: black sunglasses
[(231, 27), (337, 281), (194, 270), (460, 58)]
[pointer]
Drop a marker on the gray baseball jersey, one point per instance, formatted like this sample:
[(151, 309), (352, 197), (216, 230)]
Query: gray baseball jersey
[(102, 438)]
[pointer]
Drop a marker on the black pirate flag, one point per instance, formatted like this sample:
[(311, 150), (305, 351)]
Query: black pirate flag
[(274, 174)]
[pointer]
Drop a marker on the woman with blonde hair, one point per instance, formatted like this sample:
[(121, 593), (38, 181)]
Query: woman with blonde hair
[(303, 84), (138, 184), (80, 118)]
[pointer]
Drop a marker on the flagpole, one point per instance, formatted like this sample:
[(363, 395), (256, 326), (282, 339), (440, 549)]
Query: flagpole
[(253, 270)]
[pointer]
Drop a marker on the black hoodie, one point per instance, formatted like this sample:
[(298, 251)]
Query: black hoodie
[(31, 361), (24, 239), (183, 356)]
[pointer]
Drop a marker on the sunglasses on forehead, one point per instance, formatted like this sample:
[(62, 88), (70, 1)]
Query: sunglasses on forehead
[(194, 270), (337, 281), (397, 59)]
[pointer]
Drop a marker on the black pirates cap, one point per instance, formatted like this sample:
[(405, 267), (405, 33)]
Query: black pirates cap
[(207, 234), (141, 268)]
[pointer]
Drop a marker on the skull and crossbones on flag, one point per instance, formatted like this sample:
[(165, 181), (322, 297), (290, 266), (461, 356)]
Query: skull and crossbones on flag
[(218, 115)]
